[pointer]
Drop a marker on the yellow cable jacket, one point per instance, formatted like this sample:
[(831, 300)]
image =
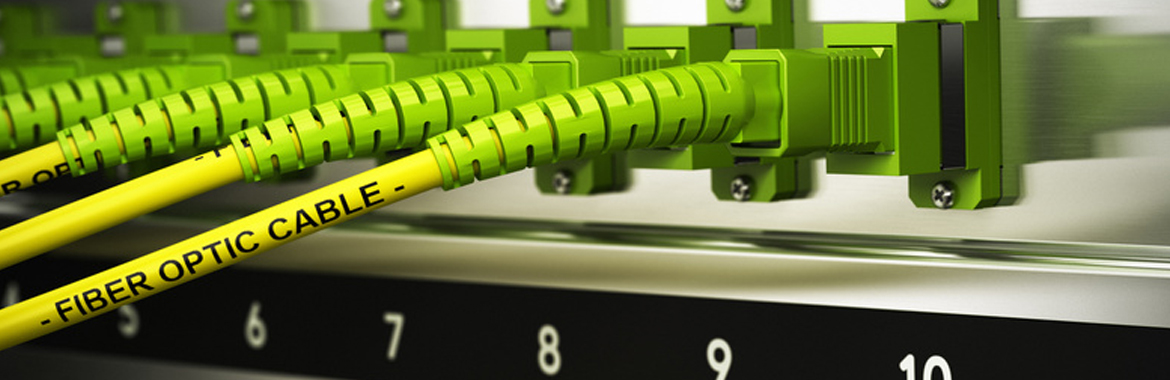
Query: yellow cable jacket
[(118, 204), (34, 166), (208, 252)]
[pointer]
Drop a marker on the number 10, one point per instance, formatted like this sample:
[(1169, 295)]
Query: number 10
[(932, 363)]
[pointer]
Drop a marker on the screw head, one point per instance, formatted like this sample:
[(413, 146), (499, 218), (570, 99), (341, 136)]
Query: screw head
[(735, 5), (115, 12), (562, 182), (741, 188), (943, 195), (245, 9), (555, 7), (940, 3), (393, 8)]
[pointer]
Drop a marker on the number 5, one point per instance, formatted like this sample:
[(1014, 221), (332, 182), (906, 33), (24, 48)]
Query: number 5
[(397, 320)]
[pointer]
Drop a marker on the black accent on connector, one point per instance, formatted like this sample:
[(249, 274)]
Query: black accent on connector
[(758, 144), (952, 99), (744, 37), (746, 161), (560, 40)]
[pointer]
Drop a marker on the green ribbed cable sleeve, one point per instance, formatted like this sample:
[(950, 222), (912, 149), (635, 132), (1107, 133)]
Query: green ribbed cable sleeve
[(10, 81), (34, 116), (695, 104), (398, 116), (197, 118)]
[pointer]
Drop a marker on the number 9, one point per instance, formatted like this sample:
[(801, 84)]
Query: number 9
[(721, 366)]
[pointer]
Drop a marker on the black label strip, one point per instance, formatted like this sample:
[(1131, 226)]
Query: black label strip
[(357, 327)]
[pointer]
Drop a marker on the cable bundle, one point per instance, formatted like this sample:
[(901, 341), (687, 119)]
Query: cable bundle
[(705, 103)]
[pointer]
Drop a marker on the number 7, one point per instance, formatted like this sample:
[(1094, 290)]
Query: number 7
[(397, 320)]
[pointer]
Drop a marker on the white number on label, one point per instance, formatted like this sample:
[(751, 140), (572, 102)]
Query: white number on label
[(397, 320), (721, 364), (932, 363), (128, 322), (549, 357), (11, 293), (255, 333)]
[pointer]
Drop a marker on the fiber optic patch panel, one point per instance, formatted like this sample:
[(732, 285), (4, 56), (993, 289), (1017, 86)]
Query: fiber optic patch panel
[(629, 189)]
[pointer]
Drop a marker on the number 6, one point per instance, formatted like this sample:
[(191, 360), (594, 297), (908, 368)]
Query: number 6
[(255, 332)]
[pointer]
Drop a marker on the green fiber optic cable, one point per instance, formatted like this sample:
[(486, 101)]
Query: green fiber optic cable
[(197, 118), (204, 117), (393, 117), (33, 116), (399, 116), (680, 106)]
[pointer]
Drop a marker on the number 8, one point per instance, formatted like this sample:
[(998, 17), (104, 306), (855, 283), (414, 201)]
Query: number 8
[(549, 340)]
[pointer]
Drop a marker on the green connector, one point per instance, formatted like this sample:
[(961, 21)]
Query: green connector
[(811, 101), (759, 25), (267, 22), (180, 46), (130, 22), (771, 20), (693, 43), (333, 46), (973, 173), (807, 102), (504, 45), (587, 22), (406, 26), (769, 180), (914, 84), (418, 22)]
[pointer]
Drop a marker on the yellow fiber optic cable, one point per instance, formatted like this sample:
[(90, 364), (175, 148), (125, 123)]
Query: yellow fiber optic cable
[(84, 217), (31, 167), (218, 248)]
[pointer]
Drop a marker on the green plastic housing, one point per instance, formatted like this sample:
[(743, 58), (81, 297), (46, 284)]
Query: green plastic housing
[(419, 20), (810, 101), (772, 20), (503, 45), (587, 20), (269, 21), (913, 117), (136, 21), (983, 181)]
